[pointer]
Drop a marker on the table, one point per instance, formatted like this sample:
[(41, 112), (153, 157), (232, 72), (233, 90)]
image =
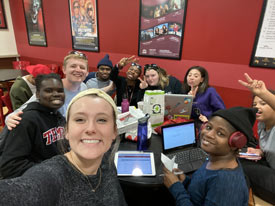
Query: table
[(146, 190), (7, 75)]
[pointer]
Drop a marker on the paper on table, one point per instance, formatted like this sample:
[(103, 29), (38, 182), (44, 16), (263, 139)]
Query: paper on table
[(169, 163)]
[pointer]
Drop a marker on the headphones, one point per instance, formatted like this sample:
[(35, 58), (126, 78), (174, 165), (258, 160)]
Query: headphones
[(236, 139)]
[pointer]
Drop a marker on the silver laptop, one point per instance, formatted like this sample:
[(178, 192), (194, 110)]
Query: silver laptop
[(178, 105), (180, 140)]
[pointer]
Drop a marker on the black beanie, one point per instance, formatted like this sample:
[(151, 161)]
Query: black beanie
[(105, 61), (241, 118)]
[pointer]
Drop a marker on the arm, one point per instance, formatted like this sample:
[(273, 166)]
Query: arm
[(258, 88), (16, 154)]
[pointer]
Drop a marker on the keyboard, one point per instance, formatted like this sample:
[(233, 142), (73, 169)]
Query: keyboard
[(188, 155)]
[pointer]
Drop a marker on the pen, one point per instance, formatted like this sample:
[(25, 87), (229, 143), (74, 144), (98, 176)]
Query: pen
[(175, 173)]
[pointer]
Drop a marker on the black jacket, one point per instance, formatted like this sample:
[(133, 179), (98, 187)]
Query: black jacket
[(32, 141)]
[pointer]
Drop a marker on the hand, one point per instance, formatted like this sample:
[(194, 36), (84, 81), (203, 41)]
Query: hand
[(255, 86), (13, 120), (203, 118), (126, 60), (110, 87), (169, 178), (193, 91), (143, 84), (255, 151)]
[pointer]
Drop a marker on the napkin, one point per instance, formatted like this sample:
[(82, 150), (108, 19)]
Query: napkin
[(169, 163)]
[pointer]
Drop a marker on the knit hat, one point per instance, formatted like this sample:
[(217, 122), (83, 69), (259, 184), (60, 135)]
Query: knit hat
[(105, 61), (241, 118), (35, 70), (91, 91)]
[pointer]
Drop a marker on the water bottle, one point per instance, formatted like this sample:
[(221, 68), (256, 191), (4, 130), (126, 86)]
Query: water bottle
[(142, 133), (125, 105)]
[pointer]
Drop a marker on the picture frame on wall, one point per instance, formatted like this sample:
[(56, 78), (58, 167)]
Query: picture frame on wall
[(34, 17), (3, 23), (161, 28), (263, 54), (84, 25)]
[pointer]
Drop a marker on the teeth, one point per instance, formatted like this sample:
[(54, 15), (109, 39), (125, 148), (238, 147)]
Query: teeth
[(205, 141), (90, 141)]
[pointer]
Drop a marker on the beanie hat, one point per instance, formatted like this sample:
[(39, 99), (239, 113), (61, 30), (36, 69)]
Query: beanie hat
[(35, 70), (105, 61), (241, 118)]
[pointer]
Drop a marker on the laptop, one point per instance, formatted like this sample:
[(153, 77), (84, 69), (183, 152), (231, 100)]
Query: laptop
[(180, 140), (178, 105)]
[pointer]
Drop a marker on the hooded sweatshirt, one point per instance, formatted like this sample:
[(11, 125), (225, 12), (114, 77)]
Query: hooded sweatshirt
[(32, 141)]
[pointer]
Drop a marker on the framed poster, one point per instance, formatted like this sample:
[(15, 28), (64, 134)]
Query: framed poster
[(3, 23), (33, 11), (161, 27), (263, 54), (83, 18)]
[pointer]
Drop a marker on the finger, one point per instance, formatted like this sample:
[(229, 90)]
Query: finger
[(243, 83), (248, 78), (140, 79)]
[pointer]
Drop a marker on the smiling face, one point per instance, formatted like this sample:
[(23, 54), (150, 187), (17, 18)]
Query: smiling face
[(75, 70), (133, 73), (152, 77), (51, 94), (265, 112), (194, 78), (215, 135), (104, 72), (90, 132)]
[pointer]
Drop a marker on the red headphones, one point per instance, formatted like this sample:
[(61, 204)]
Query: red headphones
[(237, 139)]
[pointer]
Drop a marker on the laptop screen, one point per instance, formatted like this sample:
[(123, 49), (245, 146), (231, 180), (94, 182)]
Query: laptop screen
[(178, 135)]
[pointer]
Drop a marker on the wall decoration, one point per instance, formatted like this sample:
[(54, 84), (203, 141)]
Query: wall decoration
[(33, 11), (264, 47), (3, 23), (161, 28), (84, 24)]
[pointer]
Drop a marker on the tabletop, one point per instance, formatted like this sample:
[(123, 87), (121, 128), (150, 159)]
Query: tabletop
[(11, 74), (155, 146)]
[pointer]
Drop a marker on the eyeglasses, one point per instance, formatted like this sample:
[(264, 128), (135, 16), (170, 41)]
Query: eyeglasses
[(136, 65), (76, 7), (90, 9), (151, 66), (78, 53)]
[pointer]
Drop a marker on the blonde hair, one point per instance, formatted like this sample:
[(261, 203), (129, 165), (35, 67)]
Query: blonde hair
[(74, 56)]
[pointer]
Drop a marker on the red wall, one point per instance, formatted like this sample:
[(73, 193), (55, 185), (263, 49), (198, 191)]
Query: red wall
[(219, 34)]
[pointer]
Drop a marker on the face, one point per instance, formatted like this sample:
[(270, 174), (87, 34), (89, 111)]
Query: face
[(194, 78), (104, 72), (215, 135), (90, 10), (51, 94), (152, 77), (133, 73), (76, 7), (91, 132), (265, 112), (76, 70)]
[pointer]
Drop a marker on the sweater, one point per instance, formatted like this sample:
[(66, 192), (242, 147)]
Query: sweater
[(174, 87), (20, 92), (32, 141), (212, 187), (207, 103), (57, 182)]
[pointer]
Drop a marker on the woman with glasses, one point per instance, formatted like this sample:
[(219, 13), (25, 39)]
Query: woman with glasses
[(206, 99), (156, 78), (127, 87)]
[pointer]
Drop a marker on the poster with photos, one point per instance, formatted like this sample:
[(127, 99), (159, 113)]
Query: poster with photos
[(33, 12), (84, 26), (161, 28), (3, 23)]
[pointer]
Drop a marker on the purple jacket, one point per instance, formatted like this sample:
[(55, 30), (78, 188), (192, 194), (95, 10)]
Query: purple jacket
[(206, 103)]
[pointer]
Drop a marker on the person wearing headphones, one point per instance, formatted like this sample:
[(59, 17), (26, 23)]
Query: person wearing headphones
[(220, 180)]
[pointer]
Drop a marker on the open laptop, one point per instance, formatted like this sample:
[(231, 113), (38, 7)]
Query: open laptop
[(180, 140), (178, 105)]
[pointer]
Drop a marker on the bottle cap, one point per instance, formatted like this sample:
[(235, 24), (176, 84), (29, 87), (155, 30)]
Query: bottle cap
[(144, 119)]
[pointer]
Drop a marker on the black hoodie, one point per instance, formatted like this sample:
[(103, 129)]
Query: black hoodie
[(32, 141)]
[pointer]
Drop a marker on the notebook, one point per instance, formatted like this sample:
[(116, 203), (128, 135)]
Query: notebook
[(178, 105), (180, 140)]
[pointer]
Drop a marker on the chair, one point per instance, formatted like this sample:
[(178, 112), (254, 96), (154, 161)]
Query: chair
[(5, 101), (20, 64)]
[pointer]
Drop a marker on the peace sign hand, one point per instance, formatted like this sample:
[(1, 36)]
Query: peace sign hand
[(143, 84), (255, 86)]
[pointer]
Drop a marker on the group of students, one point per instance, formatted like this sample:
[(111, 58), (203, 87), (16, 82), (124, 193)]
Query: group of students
[(38, 131)]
